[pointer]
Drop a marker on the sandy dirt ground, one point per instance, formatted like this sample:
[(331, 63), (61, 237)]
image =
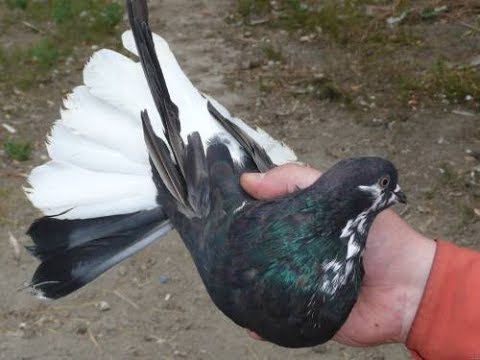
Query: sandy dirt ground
[(130, 312)]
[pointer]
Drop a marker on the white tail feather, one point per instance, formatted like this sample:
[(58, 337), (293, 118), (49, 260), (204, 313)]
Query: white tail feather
[(65, 145), (104, 124), (77, 193)]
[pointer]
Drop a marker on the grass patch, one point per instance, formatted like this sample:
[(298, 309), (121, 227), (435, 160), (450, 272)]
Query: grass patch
[(468, 215), (110, 15), (316, 87), (325, 89), (64, 25), (339, 19), (273, 53), (269, 84), (247, 8), (343, 21), (458, 84), (45, 53), (18, 151), (449, 176), (19, 4)]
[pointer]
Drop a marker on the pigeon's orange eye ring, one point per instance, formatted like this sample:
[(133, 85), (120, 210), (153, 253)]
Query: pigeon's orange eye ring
[(384, 181)]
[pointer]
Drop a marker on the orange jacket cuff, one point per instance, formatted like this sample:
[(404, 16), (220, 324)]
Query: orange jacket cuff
[(447, 324)]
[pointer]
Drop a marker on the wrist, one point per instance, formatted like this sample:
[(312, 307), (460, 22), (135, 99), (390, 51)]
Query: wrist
[(421, 261), (405, 258)]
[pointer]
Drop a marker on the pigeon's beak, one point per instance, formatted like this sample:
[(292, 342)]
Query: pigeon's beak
[(400, 195)]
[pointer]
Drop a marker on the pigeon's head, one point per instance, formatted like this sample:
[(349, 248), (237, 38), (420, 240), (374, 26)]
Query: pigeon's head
[(365, 184)]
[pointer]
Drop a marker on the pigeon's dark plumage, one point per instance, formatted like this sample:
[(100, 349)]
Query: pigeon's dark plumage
[(289, 269)]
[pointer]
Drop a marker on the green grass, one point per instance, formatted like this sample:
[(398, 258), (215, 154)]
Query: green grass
[(448, 175), (455, 83), (342, 20), (335, 18), (319, 88), (110, 15), (45, 53), (273, 53), (20, 4), (326, 89), (63, 26), (269, 84), (468, 215), (247, 8), (18, 151)]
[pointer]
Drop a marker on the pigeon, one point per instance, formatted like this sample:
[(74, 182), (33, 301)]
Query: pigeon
[(139, 151)]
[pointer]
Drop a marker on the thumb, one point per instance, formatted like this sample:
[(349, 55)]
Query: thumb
[(278, 181)]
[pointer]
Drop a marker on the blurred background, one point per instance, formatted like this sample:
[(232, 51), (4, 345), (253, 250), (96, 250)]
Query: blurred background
[(333, 79)]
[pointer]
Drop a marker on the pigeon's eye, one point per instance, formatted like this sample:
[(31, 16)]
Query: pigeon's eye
[(384, 181)]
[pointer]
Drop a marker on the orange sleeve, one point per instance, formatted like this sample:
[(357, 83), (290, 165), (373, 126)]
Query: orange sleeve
[(447, 324)]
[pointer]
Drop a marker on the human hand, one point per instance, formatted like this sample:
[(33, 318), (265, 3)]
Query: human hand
[(397, 264)]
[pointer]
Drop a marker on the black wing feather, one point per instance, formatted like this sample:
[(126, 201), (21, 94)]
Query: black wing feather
[(257, 153), (164, 165), (197, 176)]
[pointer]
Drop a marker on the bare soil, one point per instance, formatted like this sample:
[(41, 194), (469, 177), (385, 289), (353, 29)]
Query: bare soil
[(154, 306)]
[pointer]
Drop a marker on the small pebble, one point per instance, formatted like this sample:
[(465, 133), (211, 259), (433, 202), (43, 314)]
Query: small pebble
[(9, 128), (164, 279), (122, 271), (179, 353), (82, 329), (103, 306)]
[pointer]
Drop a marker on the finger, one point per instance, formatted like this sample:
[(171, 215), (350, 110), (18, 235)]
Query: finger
[(279, 181)]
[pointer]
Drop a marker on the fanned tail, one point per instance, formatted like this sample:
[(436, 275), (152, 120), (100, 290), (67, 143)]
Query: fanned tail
[(97, 191)]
